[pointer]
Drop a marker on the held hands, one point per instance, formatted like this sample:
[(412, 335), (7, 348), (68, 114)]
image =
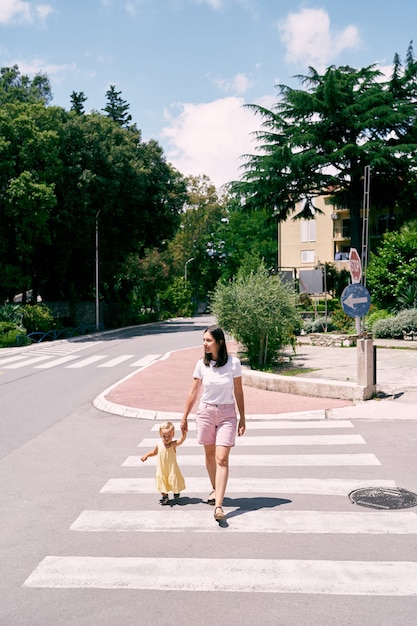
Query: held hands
[(241, 428), (184, 425)]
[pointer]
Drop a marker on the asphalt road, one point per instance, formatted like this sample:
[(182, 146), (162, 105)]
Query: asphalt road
[(84, 541)]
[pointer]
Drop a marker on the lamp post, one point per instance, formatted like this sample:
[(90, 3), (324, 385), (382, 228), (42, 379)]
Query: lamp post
[(97, 264), (185, 268)]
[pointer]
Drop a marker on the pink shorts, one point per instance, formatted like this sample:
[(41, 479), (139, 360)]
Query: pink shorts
[(216, 424)]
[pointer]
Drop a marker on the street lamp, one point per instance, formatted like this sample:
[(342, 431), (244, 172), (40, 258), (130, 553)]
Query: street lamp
[(97, 295), (185, 268)]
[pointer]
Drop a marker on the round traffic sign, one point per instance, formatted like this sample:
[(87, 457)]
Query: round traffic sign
[(356, 300)]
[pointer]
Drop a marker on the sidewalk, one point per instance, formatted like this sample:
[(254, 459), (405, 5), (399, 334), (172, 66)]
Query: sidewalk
[(159, 390)]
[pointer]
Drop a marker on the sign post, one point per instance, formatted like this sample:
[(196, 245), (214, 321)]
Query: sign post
[(356, 301)]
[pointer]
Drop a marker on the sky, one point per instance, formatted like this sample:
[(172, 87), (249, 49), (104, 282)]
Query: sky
[(188, 67)]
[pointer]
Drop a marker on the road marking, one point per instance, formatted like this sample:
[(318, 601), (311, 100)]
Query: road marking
[(11, 359), (279, 425), (117, 360), (249, 521), (272, 486), (56, 362), (272, 460), (88, 361), (31, 361), (282, 440), (146, 360), (376, 578)]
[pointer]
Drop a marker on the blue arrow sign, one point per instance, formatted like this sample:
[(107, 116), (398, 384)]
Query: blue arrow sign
[(356, 300)]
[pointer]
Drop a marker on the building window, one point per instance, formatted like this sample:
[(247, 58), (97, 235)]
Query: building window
[(307, 256), (307, 230)]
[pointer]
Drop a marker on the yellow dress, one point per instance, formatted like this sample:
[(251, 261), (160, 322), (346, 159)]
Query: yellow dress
[(168, 474)]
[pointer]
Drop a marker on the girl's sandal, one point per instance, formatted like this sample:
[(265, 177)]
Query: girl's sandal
[(164, 500), (219, 515), (211, 499)]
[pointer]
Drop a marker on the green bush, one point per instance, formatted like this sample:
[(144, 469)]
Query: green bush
[(37, 318), (342, 322), (374, 316), (8, 333), (318, 325), (11, 313), (178, 298), (393, 327), (259, 311)]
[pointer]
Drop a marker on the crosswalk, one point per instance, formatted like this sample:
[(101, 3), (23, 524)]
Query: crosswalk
[(260, 501), (70, 356)]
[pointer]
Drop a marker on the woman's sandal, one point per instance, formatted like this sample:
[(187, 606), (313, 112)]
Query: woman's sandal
[(211, 499), (219, 516)]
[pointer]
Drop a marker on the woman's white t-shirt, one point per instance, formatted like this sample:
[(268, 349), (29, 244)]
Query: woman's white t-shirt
[(218, 382)]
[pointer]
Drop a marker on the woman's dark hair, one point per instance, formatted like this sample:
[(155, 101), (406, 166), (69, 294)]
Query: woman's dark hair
[(218, 335)]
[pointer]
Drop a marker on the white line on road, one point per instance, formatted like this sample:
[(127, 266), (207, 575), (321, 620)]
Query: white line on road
[(278, 425), (280, 440), (146, 360), (56, 362), (37, 359), (178, 519), (117, 360), (272, 460), (377, 578), (88, 361), (272, 486), (11, 359)]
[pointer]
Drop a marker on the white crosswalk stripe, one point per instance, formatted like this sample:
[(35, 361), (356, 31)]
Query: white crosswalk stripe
[(378, 578), (316, 486), (269, 521), (69, 357), (255, 505), (285, 440), (282, 425), (274, 460)]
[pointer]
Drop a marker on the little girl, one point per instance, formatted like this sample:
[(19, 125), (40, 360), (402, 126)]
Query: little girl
[(168, 474)]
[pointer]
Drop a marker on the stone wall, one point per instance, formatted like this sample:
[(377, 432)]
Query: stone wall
[(331, 339)]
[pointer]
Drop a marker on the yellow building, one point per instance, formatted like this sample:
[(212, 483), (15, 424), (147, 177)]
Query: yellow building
[(306, 244)]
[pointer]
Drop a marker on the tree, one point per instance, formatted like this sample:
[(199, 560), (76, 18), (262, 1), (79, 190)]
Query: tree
[(29, 166), (259, 311), (392, 270), (198, 236), (319, 139), (117, 108), (15, 87), (77, 102)]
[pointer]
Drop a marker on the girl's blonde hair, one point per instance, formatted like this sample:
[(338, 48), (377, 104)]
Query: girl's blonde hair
[(167, 426)]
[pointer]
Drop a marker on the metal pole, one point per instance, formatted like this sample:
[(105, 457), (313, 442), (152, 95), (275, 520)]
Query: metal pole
[(97, 264), (185, 268)]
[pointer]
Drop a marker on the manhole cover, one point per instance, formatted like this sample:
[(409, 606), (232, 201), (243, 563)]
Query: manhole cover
[(383, 498)]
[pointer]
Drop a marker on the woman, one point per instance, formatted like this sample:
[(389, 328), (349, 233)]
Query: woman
[(220, 378)]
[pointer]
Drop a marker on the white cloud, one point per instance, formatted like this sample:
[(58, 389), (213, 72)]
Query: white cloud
[(309, 39), (20, 10), (237, 85), (37, 66), (211, 138)]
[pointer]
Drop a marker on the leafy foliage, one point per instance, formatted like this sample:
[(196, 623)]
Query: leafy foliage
[(37, 318), (321, 137), (392, 268), (259, 311), (66, 176), (395, 326), (177, 297)]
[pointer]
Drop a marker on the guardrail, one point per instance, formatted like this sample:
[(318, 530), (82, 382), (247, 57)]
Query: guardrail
[(56, 333)]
